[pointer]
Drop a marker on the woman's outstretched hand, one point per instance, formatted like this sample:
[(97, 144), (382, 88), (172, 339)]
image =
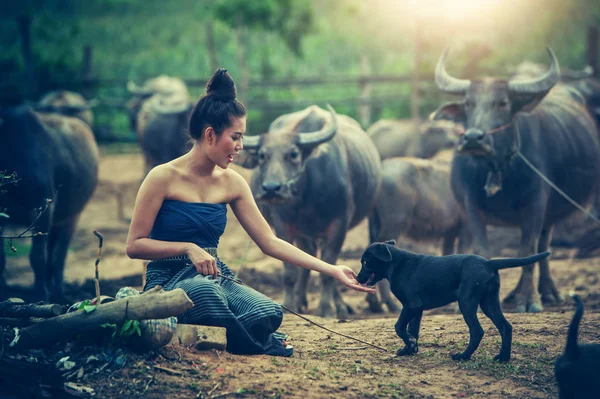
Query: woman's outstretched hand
[(346, 276), (205, 264)]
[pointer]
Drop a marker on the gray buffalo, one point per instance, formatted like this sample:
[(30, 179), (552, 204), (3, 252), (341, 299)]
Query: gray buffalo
[(412, 138), (67, 103), (317, 176), (415, 201), (159, 113), (507, 121), (54, 158)]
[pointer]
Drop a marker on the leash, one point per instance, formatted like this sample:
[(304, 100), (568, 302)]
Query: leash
[(307, 319)]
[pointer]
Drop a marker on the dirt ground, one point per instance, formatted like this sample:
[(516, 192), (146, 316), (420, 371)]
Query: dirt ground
[(324, 365)]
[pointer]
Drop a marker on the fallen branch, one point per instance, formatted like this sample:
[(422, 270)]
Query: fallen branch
[(10, 308), (153, 304)]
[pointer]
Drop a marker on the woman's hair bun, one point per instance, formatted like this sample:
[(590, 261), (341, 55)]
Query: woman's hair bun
[(221, 86)]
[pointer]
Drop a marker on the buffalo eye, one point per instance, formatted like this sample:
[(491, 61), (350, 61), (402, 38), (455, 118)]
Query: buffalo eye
[(262, 155), (469, 103), (503, 103), (294, 154)]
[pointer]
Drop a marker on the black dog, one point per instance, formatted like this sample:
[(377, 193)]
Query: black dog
[(577, 369), (424, 282)]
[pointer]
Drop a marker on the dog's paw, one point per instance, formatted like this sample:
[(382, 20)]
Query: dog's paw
[(502, 358), (410, 349), (460, 356)]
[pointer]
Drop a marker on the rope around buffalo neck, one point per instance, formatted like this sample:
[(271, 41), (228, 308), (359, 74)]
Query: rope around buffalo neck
[(551, 184), (310, 321)]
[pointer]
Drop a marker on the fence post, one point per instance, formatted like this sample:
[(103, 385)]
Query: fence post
[(415, 97), (591, 48), (364, 106)]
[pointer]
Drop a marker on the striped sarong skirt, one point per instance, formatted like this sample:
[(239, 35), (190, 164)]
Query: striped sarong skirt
[(250, 318)]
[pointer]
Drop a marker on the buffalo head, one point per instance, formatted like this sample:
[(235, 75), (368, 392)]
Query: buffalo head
[(489, 106), (281, 153), (67, 103), (169, 94)]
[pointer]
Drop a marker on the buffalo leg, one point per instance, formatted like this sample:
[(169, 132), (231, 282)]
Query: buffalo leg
[(386, 296), (291, 273), (546, 287), (330, 251), (477, 227), (309, 246), (38, 258), (60, 237), (525, 296)]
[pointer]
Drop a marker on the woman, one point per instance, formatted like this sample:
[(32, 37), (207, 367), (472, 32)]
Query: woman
[(180, 214)]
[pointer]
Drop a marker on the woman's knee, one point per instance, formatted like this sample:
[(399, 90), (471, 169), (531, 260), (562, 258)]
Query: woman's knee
[(201, 286)]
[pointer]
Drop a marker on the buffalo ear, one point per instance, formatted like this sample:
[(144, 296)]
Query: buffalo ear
[(451, 111), (382, 252), (390, 242), (247, 159)]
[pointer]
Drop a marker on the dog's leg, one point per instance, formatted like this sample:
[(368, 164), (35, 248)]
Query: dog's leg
[(490, 304), (468, 307), (415, 325), (410, 342)]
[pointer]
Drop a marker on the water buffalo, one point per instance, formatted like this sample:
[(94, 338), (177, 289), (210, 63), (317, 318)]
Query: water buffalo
[(159, 114), (67, 103), (317, 177), (507, 119), (54, 158), (411, 138), (415, 201)]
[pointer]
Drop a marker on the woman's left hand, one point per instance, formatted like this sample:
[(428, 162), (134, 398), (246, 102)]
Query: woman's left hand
[(346, 276)]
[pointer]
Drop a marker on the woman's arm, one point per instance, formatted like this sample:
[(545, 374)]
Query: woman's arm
[(149, 199), (245, 209)]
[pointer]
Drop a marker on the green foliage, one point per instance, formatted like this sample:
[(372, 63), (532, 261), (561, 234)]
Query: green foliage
[(281, 39), (129, 328)]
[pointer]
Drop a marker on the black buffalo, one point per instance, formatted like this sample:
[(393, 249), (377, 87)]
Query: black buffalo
[(318, 174), (159, 114), (67, 103), (503, 120), (54, 158)]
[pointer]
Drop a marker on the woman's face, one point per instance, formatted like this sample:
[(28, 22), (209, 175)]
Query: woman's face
[(225, 147)]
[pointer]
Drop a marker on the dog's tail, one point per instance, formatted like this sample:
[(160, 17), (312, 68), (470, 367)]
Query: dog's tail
[(516, 262), (572, 349)]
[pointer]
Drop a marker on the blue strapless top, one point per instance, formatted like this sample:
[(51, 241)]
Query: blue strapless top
[(199, 222)]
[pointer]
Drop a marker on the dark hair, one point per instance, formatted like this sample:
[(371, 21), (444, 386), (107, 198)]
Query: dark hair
[(216, 107)]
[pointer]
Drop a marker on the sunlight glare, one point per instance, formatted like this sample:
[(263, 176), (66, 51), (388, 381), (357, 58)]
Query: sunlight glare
[(453, 10)]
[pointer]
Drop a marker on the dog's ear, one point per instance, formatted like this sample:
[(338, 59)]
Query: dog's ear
[(382, 252), (390, 242)]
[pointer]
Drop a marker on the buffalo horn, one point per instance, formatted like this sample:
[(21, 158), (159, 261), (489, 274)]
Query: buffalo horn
[(325, 134), (252, 142), (538, 85), (447, 83)]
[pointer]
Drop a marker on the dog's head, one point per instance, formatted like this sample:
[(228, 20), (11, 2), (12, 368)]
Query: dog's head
[(375, 262)]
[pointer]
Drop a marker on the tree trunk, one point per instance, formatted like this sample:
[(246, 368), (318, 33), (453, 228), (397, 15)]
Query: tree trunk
[(153, 304), (241, 56), (24, 23), (210, 46)]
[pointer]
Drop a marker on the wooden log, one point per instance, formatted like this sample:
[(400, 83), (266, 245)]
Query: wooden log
[(10, 308), (153, 304)]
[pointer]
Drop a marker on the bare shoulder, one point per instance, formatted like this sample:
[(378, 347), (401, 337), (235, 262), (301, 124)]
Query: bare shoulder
[(235, 183), (159, 177)]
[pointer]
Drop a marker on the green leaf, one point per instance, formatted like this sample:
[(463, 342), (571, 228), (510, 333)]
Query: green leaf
[(89, 308)]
